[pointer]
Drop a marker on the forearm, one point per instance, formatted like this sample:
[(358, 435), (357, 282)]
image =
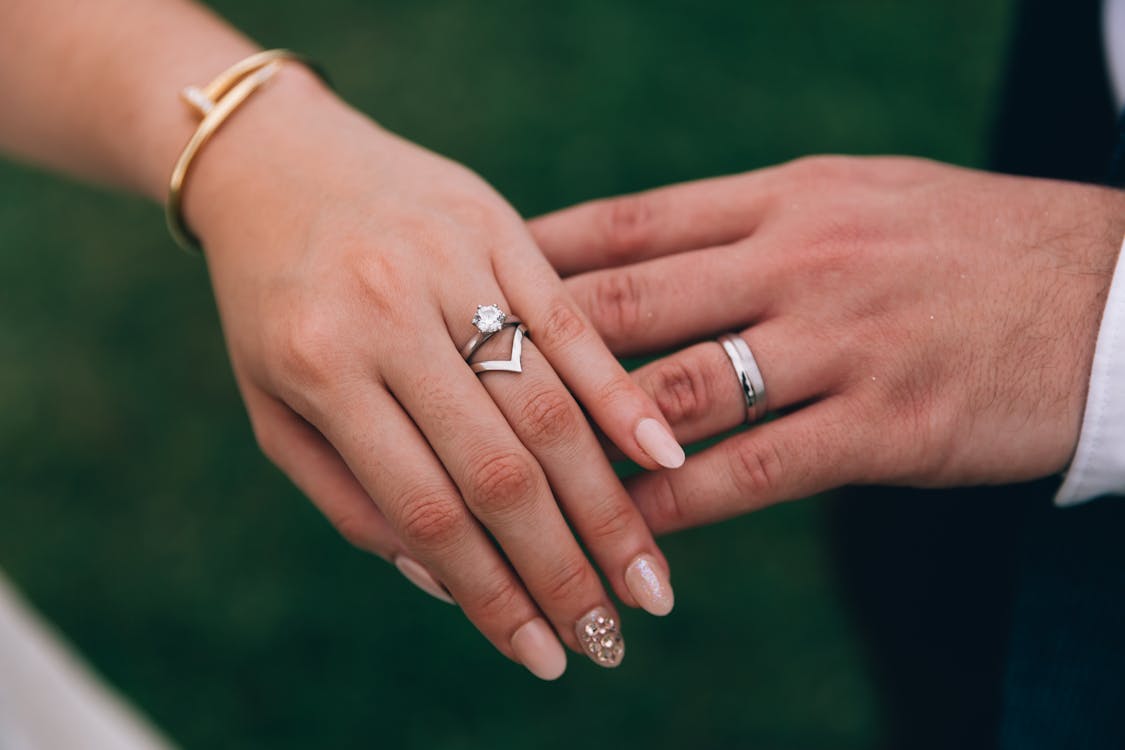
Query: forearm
[(90, 88)]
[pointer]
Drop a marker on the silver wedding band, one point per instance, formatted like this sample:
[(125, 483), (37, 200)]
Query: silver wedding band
[(513, 363), (749, 376)]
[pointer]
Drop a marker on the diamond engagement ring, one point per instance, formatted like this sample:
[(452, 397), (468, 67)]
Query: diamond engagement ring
[(490, 320), (749, 376)]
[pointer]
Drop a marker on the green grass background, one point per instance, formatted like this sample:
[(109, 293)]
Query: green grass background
[(137, 513)]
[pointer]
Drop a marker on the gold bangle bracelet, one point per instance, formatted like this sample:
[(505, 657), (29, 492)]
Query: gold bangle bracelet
[(214, 103)]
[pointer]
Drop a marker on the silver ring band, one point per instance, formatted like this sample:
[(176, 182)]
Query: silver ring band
[(478, 339), (749, 376), (513, 363)]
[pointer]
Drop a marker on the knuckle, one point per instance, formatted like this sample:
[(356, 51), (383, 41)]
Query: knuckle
[(500, 601), (430, 519), (619, 389), (569, 580), (860, 447), (825, 166), (550, 417), (756, 469), (665, 508), (931, 432), (627, 223), (483, 217), (836, 251), (409, 231), (911, 402), (616, 305), (909, 168), (374, 275), (844, 241), (501, 484), (562, 325), (680, 390), (305, 348), (610, 520)]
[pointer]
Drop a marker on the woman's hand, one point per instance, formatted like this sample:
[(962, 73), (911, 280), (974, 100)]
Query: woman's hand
[(347, 265), (915, 323)]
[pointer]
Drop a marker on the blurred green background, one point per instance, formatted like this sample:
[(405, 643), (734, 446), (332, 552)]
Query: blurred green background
[(137, 513)]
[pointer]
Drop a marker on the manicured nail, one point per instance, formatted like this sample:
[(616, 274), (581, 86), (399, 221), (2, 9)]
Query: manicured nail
[(660, 444), (539, 650), (648, 582), (421, 578), (600, 637)]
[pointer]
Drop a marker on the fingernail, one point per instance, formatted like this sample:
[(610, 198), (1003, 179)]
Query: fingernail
[(421, 578), (600, 637), (648, 582), (539, 650), (660, 444)]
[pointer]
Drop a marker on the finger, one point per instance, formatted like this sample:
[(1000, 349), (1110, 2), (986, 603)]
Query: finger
[(699, 392), (316, 468), (550, 423), (625, 413), (312, 464), (392, 461), (809, 451), (627, 229), (502, 484), (660, 303)]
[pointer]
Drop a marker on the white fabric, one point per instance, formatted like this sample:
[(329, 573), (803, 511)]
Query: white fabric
[(1113, 36), (1099, 463), (49, 700)]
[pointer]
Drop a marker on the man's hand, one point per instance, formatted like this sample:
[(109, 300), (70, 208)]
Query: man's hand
[(915, 323)]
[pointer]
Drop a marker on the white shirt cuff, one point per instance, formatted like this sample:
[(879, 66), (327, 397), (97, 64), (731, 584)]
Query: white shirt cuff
[(1099, 461)]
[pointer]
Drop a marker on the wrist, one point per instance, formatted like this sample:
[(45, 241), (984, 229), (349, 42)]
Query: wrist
[(264, 154)]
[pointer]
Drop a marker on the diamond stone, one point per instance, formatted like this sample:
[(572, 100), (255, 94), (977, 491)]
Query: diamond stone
[(489, 318), (599, 636)]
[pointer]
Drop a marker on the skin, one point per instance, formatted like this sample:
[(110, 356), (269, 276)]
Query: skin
[(346, 264), (915, 323)]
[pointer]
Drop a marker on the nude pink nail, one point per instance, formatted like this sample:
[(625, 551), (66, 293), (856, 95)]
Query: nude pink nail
[(660, 444), (537, 648), (420, 577), (649, 584)]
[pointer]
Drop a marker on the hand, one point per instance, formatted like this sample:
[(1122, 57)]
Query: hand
[(347, 265), (915, 323)]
